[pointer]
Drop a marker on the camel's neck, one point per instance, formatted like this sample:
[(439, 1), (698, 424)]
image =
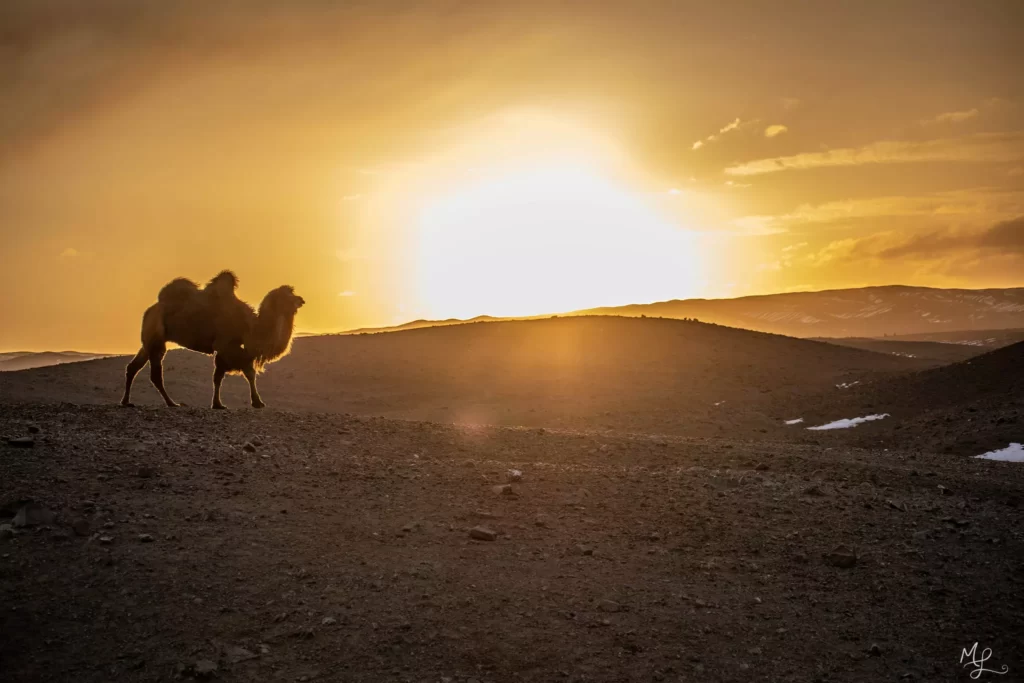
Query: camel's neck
[(272, 336)]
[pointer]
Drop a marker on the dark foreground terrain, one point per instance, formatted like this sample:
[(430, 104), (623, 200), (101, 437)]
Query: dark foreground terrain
[(338, 548)]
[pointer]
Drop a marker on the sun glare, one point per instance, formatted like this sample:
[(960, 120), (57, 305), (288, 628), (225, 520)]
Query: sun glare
[(548, 239)]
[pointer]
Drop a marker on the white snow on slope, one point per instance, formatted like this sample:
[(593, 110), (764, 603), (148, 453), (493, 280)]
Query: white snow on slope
[(1012, 453), (795, 422), (849, 422)]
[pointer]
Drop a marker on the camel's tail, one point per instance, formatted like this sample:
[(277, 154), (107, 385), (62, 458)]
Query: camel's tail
[(153, 331)]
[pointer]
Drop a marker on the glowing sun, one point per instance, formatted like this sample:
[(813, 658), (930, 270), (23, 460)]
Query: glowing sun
[(546, 240)]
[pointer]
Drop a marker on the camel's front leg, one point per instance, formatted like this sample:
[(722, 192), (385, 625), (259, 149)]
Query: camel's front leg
[(250, 375)]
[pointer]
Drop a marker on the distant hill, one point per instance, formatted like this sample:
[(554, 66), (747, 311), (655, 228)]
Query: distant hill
[(628, 374), (968, 407), (862, 312), (24, 360)]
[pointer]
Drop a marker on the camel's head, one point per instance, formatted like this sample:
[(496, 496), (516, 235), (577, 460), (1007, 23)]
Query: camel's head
[(282, 301)]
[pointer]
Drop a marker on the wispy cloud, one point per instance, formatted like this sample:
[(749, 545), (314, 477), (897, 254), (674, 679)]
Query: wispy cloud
[(951, 117), (982, 147), (70, 252), (735, 124), (774, 130), (983, 203), (347, 292)]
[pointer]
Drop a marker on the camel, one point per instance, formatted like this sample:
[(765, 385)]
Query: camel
[(212, 320)]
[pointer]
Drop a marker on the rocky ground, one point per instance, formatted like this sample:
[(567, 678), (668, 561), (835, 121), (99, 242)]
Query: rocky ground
[(276, 546)]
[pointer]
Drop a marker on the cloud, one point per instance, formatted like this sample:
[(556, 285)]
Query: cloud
[(982, 147), (1005, 238), (70, 252), (979, 203), (775, 130), (951, 117), (347, 292), (735, 124)]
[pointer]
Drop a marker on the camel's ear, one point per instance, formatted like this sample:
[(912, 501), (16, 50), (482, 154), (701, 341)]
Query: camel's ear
[(299, 301)]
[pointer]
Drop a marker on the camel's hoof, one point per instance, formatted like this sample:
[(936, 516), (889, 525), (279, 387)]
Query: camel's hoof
[(220, 407), (173, 405), (127, 405), (259, 405)]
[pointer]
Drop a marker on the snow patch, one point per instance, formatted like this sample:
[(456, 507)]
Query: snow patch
[(795, 422), (849, 422), (1012, 453)]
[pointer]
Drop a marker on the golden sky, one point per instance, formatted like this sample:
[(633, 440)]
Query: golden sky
[(398, 160)]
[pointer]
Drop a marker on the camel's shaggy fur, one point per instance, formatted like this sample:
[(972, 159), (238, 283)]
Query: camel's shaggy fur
[(213, 320)]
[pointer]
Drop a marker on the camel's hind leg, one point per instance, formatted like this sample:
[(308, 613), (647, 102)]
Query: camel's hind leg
[(219, 371), (156, 372), (136, 364)]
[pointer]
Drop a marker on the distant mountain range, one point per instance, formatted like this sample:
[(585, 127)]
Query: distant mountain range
[(25, 360), (862, 312)]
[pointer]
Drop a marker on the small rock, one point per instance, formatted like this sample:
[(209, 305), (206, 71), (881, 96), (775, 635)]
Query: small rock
[(654, 537), (585, 550), (33, 514), (6, 532), (874, 650), (249, 447), (503, 490), (762, 467), (33, 429), (329, 621), (482, 533), (609, 606), (145, 538), (204, 668), (81, 527), (21, 442), (145, 472), (813, 490), (541, 522), (234, 655), (945, 491), (256, 441), (408, 528), (106, 540), (515, 475), (842, 557), (263, 648)]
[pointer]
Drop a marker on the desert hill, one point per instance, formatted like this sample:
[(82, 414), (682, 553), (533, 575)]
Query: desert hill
[(627, 374), (939, 353), (968, 407)]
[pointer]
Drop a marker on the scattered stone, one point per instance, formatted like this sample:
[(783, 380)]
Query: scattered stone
[(483, 514), (902, 507), (6, 532), (541, 522), (945, 491), (515, 475), (145, 472), (609, 606), (81, 527), (204, 668), (106, 540), (329, 621), (263, 648), (21, 442), (256, 441), (813, 490), (842, 557), (33, 429), (585, 550), (874, 650), (654, 537), (234, 655), (249, 447), (762, 467), (408, 528), (33, 514), (482, 533), (503, 490), (145, 538)]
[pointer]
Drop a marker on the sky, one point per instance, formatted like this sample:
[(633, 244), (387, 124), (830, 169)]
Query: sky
[(404, 160)]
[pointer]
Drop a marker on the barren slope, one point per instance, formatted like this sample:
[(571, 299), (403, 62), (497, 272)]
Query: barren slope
[(627, 374)]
